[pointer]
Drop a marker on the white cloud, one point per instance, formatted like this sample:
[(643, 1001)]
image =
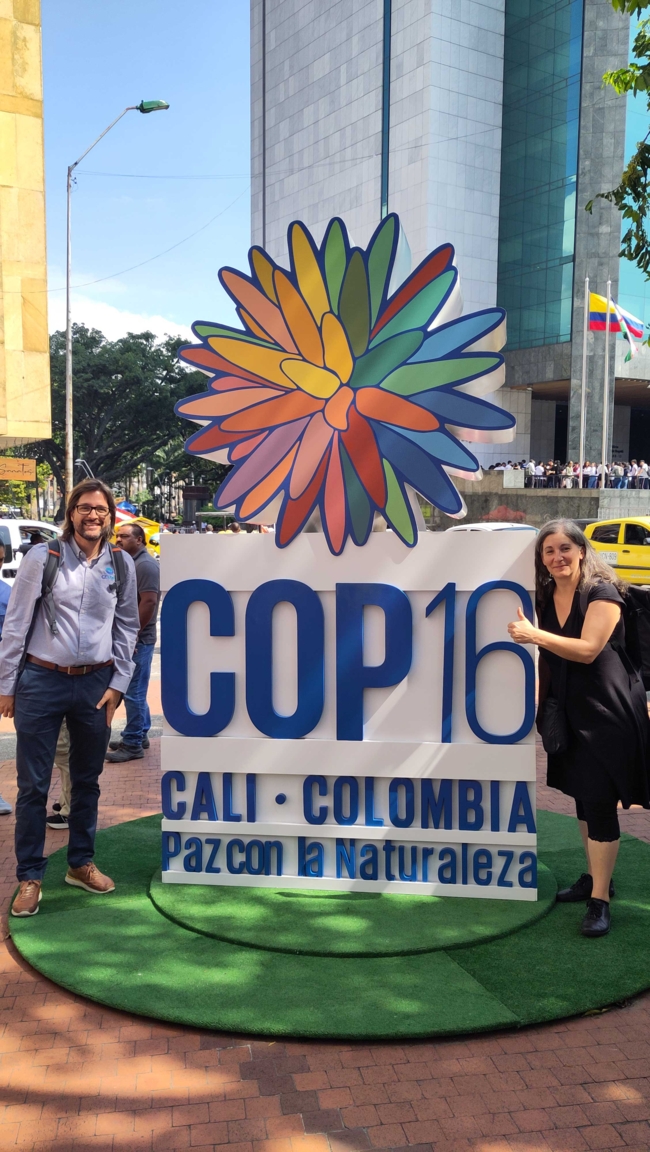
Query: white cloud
[(113, 322)]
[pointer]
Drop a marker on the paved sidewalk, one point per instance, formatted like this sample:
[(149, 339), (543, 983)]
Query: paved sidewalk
[(74, 1075)]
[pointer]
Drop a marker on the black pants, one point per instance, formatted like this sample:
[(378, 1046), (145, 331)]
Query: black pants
[(601, 820), (43, 699)]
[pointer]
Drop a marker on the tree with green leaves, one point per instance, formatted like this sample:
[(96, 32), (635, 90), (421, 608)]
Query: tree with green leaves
[(632, 195), (124, 396)]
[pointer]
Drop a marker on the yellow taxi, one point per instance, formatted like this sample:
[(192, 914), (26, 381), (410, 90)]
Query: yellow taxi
[(151, 530), (625, 544)]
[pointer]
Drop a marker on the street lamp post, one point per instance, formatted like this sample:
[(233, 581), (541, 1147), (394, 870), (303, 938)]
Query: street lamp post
[(144, 106)]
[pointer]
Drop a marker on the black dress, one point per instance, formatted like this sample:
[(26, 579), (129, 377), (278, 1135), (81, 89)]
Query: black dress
[(608, 757)]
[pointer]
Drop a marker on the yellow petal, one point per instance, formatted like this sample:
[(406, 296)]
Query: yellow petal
[(263, 269), (316, 381), (337, 350), (263, 362), (308, 274), (298, 319)]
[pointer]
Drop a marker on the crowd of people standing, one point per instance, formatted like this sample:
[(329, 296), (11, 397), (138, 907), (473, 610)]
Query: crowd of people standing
[(555, 474)]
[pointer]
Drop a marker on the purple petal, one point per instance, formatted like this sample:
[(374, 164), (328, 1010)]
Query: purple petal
[(260, 462)]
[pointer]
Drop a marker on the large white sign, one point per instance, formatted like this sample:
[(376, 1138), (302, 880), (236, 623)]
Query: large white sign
[(359, 722)]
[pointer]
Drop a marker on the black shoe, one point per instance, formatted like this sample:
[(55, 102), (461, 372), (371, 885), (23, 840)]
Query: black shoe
[(124, 753), (597, 922), (581, 890), (56, 820), (115, 744)]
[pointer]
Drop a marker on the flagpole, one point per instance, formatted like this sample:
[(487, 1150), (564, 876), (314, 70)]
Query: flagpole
[(583, 390), (606, 383)]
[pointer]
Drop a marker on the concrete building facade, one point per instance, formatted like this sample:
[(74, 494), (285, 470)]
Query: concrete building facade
[(481, 122), (25, 410)]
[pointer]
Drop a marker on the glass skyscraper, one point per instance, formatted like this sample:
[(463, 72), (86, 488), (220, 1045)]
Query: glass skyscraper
[(539, 166)]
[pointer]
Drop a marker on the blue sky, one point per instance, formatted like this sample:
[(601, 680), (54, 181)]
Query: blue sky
[(97, 59)]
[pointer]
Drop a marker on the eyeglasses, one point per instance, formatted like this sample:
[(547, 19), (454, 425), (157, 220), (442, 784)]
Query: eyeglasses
[(86, 509)]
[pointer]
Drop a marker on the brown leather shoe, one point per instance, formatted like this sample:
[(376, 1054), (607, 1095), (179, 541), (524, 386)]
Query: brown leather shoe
[(28, 898), (90, 878)]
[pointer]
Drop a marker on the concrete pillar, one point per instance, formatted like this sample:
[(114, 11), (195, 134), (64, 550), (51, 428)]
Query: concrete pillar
[(598, 236)]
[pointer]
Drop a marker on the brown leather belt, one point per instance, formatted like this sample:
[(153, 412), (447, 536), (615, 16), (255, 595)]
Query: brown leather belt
[(72, 670)]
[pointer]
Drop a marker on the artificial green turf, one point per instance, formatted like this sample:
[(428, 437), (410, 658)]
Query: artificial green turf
[(119, 950), (345, 923)]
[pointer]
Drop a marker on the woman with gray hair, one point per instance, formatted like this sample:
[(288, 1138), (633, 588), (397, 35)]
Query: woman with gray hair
[(588, 683)]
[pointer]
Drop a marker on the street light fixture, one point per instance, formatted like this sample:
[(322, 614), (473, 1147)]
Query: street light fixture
[(80, 463), (145, 106)]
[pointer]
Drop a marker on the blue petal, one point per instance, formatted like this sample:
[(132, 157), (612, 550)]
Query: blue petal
[(441, 446), (417, 469), (458, 334), (464, 410)]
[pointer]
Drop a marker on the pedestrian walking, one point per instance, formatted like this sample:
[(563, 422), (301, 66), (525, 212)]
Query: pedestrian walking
[(593, 714), (66, 654), (135, 737)]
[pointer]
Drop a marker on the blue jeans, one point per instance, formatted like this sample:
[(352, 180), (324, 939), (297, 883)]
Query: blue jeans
[(138, 716), (43, 699)]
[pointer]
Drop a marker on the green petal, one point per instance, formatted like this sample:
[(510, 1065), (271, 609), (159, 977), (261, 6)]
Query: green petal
[(420, 309), (380, 262), (354, 304), (380, 362), (336, 258), (398, 511), (205, 330), (413, 378), (361, 511)]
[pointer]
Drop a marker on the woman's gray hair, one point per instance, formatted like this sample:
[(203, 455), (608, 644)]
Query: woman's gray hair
[(593, 569)]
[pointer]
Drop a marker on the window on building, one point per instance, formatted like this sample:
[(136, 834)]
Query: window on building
[(539, 164), (606, 534)]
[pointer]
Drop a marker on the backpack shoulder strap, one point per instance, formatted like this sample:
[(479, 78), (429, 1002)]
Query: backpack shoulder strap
[(50, 572), (117, 555), (53, 563)]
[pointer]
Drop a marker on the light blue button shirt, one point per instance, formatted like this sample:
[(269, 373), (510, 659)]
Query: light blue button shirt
[(93, 626)]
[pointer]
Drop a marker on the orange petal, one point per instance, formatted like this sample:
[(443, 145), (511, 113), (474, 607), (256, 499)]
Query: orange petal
[(266, 490), (296, 512), (263, 268), (251, 324), (299, 319), (379, 405), (268, 316), (334, 503), (361, 447), (226, 383), (282, 410), (308, 273), (264, 362), (224, 403), (336, 409), (208, 361), (245, 447), (315, 442), (337, 350)]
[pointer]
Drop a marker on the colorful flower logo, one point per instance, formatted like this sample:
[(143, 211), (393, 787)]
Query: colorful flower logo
[(336, 395)]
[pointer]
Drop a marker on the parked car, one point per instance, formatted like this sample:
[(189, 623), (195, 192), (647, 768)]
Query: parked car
[(625, 544), (15, 535), (494, 526)]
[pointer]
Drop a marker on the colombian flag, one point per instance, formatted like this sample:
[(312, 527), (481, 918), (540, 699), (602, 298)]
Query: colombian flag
[(619, 319)]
